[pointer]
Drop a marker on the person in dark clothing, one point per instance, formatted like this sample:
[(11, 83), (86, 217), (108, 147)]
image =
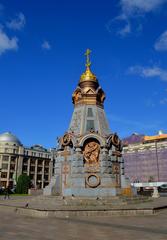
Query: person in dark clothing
[(7, 192)]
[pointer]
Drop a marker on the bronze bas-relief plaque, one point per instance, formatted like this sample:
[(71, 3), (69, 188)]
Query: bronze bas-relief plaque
[(91, 153)]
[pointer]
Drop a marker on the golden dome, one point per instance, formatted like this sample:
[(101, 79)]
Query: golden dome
[(88, 76)]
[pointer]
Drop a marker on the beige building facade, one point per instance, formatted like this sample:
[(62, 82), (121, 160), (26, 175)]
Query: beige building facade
[(16, 159)]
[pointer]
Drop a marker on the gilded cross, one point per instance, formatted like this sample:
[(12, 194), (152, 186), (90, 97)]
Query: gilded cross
[(87, 54)]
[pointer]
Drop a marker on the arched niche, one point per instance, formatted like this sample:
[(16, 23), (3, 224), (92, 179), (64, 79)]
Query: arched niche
[(94, 136)]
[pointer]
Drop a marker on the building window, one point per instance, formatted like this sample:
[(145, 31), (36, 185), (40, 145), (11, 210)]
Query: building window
[(5, 158), (46, 163), (90, 112), (32, 176), (13, 158), (4, 166), (25, 161), (46, 177), (4, 175), (40, 162), (24, 168), (32, 169), (39, 177), (11, 176), (46, 170), (90, 125), (39, 170), (12, 167), (32, 161)]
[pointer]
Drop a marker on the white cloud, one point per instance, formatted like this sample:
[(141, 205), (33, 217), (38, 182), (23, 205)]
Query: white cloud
[(163, 101), (149, 72), (140, 125), (46, 45), (150, 103), (131, 7), (131, 12), (161, 44), (17, 23), (6, 43), (125, 30)]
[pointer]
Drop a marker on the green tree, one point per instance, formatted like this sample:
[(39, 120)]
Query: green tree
[(23, 184)]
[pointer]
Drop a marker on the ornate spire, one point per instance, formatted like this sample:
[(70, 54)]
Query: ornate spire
[(88, 75)]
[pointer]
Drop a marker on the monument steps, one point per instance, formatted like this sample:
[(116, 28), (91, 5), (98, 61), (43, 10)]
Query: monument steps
[(57, 202)]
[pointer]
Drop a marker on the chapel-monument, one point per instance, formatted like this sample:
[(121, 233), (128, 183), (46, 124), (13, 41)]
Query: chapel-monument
[(88, 159)]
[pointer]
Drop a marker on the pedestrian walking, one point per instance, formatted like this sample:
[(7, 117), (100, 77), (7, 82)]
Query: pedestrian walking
[(7, 192)]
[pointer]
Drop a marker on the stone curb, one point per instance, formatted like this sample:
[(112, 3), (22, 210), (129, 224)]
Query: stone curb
[(75, 213)]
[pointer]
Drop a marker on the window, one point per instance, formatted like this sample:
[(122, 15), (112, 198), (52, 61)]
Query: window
[(46, 163), (32, 176), (4, 175), (90, 112), (12, 166), (4, 166), (40, 162), (39, 177), (13, 158), (32, 161), (32, 169), (11, 175), (90, 125), (24, 168), (5, 158), (46, 177), (39, 169), (46, 170), (25, 161)]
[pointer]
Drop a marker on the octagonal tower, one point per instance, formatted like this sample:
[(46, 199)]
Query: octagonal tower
[(88, 160)]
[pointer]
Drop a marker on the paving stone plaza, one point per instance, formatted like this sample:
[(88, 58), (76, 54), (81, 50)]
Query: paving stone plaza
[(18, 227), (24, 225)]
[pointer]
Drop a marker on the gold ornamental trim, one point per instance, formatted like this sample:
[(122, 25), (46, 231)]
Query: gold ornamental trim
[(115, 140), (66, 139)]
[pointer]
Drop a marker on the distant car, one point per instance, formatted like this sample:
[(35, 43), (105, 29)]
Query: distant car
[(148, 189), (163, 188)]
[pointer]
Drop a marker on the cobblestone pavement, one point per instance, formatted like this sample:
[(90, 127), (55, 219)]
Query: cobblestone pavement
[(16, 227)]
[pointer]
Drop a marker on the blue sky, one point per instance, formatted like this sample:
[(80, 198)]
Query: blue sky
[(42, 47)]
